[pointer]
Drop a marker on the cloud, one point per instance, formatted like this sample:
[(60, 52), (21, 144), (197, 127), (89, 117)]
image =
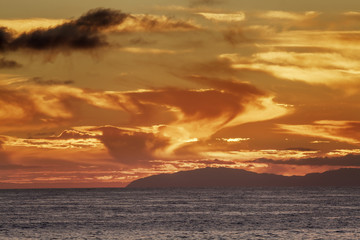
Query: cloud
[(196, 3), (253, 154), (12, 105), (179, 114), (249, 34), (82, 33), (224, 104), (223, 17), (5, 63), (218, 67), (87, 32), (349, 160), (236, 36), (342, 131), (224, 100), (148, 50), (331, 69), (5, 38), (36, 81), (41, 81), (131, 147), (40, 103), (284, 15), (59, 143), (5, 160), (154, 23), (29, 24)]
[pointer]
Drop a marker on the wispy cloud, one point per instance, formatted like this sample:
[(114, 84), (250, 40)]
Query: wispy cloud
[(285, 15), (148, 50), (342, 131), (343, 161), (314, 67), (154, 23), (223, 17)]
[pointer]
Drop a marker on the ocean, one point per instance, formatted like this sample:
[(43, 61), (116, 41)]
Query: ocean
[(205, 213)]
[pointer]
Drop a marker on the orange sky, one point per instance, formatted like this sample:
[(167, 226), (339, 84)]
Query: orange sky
[(99, 94)]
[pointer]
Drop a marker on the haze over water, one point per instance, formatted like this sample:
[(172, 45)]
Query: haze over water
[(206, 213)]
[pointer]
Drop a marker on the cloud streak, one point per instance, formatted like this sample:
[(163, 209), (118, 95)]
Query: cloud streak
[(223, 17), (331, 69), (349, 160), (342, 131)]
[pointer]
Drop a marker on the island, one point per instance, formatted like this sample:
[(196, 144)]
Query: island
[(228, 177)]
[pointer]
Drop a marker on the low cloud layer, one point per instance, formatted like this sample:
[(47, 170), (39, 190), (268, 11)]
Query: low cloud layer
[(182, 113), (349, 160)]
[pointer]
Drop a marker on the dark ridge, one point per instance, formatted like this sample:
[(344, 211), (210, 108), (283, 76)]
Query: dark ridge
[(228, 177)]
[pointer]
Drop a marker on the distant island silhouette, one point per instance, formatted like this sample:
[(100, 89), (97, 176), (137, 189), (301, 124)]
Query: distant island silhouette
[(228, 177)]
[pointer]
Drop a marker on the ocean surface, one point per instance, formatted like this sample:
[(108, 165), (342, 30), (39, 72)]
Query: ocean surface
[(208, 213)]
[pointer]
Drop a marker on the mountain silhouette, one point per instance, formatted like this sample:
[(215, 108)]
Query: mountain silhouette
[(228, 177)]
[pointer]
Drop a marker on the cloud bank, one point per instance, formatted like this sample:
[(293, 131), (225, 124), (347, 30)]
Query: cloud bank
[(349, 160)]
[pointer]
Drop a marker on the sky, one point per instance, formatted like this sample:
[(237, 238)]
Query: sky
[(100, 93)]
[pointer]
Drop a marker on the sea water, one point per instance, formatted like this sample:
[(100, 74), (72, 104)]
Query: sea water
[(205, 213)]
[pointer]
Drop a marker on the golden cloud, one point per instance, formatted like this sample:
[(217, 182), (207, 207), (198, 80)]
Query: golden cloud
[(25, 25), (284, 15), (223, 17), (342, 131), (314, 68), (225, 104)]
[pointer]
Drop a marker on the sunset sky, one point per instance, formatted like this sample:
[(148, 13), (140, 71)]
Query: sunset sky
[(100, 93)]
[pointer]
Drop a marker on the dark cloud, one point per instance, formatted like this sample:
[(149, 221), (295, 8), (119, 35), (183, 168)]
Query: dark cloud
[(5, 38), (41, 81), (87, 32), (227, 99), (5, 63), (215, 161), (236, 36), (195, 3), (131, 147), (82, 33), (348, 160), (98, 19)]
